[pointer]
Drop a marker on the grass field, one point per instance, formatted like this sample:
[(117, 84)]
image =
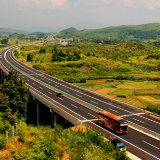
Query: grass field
[(128, 90), (122, 71)]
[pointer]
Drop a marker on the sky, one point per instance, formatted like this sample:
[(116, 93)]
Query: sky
[(56, 15)]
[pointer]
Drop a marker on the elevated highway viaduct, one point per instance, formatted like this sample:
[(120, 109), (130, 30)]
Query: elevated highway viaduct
[(80, 106)]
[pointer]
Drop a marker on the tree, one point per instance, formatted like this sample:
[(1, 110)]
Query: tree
[(30, 57), (4, 102), (16, 54), (4, 41), (17, 92), (42, 50), (88, 53), (158, 66), (55, 49)]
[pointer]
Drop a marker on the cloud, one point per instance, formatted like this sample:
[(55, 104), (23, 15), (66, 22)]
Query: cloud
[(149, 4), (129, 3), (43, 3), (105, 1)]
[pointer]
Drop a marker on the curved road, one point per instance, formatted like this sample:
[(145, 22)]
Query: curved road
[(139, 144)]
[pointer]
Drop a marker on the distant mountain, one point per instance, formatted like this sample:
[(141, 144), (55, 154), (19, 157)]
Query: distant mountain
[(11, 31), (38, 33), (129, 32), (69, 30)]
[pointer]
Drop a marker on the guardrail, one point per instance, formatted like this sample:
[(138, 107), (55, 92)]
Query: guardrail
[(90, 105), (111, 100), (144, 130), (55, 106)]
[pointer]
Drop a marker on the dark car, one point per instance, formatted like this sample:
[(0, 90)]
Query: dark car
[(118, 143), (60, 95)]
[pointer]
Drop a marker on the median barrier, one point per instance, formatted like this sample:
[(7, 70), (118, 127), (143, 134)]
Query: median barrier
[(111, 100), (144, 130), (82, 102)]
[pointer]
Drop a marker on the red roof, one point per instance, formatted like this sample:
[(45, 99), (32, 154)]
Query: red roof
[(111, 115)]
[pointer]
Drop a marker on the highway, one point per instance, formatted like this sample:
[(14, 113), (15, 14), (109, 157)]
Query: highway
[(139, 144)]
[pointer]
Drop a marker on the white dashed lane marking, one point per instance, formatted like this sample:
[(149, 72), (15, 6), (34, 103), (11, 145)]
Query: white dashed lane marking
[(94, 102), (149, 120), (92, 115), (74, 106), (113, 110), (78, 95), (49, 92), (138, 120), (151, 145)]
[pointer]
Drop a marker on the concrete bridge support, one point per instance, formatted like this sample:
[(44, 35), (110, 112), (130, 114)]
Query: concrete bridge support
[(2, 75), (40, 114), (54, 118), (26, 106), (65, 121)]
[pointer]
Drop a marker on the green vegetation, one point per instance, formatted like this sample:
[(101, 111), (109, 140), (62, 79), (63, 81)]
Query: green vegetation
[(133, 32), (42, 142), (129, 70), (13, 94), (4, 41), (74, 143), (88, 60), (10, 37), (7, 31)]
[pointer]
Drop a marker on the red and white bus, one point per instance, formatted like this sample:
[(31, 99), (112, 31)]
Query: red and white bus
[(113, 122)]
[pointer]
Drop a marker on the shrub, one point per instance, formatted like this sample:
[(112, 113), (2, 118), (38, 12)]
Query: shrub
[(16, 54), (121, 96), (21, 130), (153, 108), (2, 140), (110, 80), (4, 124)]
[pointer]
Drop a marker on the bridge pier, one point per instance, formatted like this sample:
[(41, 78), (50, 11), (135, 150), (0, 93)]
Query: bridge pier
[(54, 118), (2, 75), (26, 106), (38, 113), (65, 121)]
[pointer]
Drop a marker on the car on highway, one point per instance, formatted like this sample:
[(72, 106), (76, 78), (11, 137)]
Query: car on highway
[(118, 144), (60, 95)]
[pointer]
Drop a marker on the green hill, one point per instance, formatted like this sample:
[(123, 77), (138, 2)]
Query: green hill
[(11, 31), (130, 32)]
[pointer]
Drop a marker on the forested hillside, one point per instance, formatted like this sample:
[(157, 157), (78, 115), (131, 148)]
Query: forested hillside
[(130, 32), (11, 31)]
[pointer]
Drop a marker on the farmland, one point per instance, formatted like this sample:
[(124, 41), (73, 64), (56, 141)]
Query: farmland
[(126, 71)]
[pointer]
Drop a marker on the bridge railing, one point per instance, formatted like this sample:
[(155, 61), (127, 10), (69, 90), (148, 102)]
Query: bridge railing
[(92, 106), (143, 129), (55, 106)]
